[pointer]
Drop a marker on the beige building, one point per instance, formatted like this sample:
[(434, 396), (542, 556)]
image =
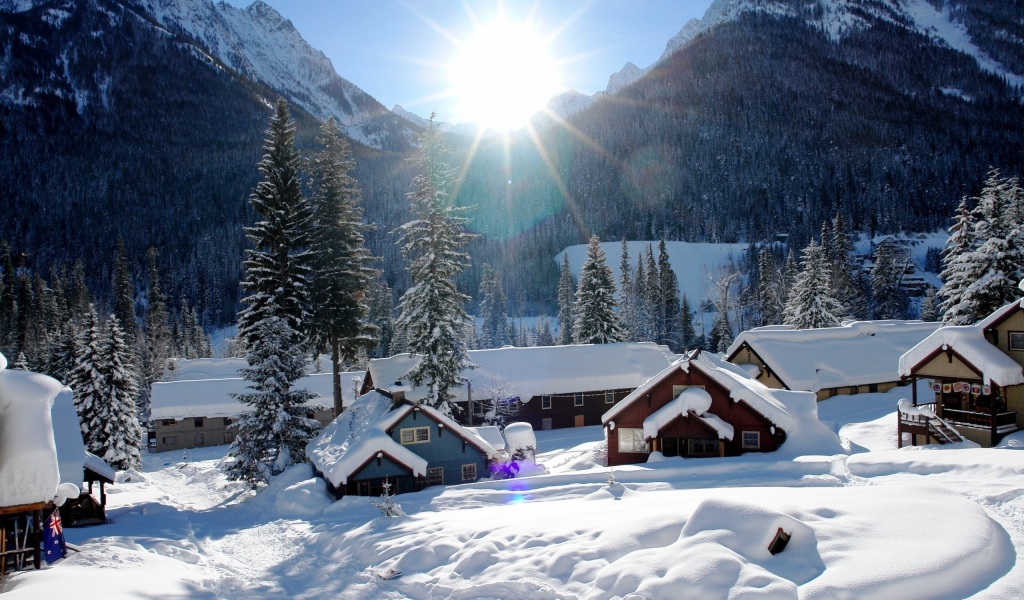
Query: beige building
[(976, 374), (858, 357), (195, 413)]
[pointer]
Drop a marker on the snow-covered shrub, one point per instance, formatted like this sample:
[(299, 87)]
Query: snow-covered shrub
[(387, 505)]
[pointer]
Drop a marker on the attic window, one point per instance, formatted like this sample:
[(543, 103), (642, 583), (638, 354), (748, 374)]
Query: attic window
[(1016, 339), (414, 435), (751, 439)]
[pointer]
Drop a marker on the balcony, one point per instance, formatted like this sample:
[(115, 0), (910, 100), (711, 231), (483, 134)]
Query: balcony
[(1003, 422)]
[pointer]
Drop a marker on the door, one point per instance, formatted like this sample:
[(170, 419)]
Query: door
[(578, 421), (545, 424)]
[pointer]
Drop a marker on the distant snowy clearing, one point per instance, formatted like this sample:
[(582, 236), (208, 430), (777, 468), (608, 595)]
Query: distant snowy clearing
[(877, 523)]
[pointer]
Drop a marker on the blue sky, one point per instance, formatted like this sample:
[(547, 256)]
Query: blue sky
[(400, 52)]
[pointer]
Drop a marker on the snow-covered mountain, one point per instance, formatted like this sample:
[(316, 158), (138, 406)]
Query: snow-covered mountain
[(264, 46)]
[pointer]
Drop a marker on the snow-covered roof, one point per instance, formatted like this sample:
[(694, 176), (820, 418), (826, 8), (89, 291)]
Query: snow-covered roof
[(212, 397), (857, 353), (1001, 313), (796, 412), (691, 399), (67, 433), (535, 371), (360, 433), (98, 466), (490, 434), (969, 342), (29, 470)]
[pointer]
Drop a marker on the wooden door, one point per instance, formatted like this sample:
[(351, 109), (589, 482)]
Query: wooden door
[(578, 421)]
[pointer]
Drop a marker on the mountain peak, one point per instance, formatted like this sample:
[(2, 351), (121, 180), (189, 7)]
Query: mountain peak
[(625, 76)]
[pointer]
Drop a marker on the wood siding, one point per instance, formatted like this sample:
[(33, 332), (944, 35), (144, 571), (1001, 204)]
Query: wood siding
[(563, 412), (185, 434), (738, 414)]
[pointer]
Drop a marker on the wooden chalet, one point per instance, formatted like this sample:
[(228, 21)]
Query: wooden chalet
[(550, 387), (697, 407), (976, 373), (858, 357), (384, 438)]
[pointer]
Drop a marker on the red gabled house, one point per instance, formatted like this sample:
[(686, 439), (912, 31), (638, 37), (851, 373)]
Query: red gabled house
[(701, 406)]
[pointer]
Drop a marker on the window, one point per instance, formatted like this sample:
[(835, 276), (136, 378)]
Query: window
[(227, 421), (414, 435), (469, 472), (545, 402), (632, 440), (609, 397), (229, 436), (873, 388), (435, 476), (1017, 340), (198, 421), (545, 424), (171, 440), (167, 422), (751, 439), (200, 439), (702, 446), (577, 399)]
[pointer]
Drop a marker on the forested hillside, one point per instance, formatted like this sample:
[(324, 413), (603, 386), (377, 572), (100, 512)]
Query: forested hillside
[(111, 126)]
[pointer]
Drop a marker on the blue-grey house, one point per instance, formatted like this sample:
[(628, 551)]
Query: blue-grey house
[(384, 437)]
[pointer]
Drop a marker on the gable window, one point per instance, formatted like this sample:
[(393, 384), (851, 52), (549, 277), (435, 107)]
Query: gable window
[(414, 435), (577, 399), (632, 440), (609, 397), (1016, 340), (751, 439), (198, 421), (435, 476), (545, 402), (469, 472)]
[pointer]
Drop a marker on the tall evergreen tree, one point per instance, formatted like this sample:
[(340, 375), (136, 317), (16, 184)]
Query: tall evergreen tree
[(770, 309), (121, 433), (566, 302), (124, 293), (341, 262), (844, 288), (889, 300), (688, 338), (627, 298), (810, 304), (596, 319), (544, 335), (8, 302), (278, 267), (381, 315), (89, 384), (668, 300), (956, 277), (156, 346), (929, 306), (432, 312), (495, 328), (651, 298)]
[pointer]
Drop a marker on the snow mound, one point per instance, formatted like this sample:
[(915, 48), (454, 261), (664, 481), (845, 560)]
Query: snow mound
[(29, 470)]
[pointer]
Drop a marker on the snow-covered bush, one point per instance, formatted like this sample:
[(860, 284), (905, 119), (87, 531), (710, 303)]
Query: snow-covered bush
[(387, 505)]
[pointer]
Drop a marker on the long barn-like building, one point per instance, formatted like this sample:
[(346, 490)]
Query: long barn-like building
[(551, 387)]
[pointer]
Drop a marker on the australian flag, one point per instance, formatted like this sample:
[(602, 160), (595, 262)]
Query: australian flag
[(54, 547)]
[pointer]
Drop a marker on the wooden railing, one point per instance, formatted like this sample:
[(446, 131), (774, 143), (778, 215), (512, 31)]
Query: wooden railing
[(979, 419)]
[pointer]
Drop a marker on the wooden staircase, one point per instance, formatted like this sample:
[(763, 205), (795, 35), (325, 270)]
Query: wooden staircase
[(943, 432)]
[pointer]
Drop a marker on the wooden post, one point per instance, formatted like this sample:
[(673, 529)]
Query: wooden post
[(37, 537), (913, 389)]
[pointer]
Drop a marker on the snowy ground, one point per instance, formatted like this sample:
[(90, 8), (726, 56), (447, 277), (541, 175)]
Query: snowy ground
[(876, 523)]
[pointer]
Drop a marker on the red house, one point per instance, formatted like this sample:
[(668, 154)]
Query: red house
[(699, 407)]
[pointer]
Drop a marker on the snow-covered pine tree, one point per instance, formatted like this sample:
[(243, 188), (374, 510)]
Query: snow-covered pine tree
[(642, 321), (655, 326), (810, 305), (341, 263), (544, 335), (20, 363), (120, 431), (89, 384), (495, 327), (596, 319), (627, 299), (929, 306), (844, 288), (432, 313), (566, 302), (668, 300), (274, 433), (8, 301), (767, 288), (996, 266), (278, 267), (721, 333), (955, 273), (889, 300), (65, 352)]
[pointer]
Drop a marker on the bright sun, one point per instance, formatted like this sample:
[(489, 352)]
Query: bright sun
[(503, 76)]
